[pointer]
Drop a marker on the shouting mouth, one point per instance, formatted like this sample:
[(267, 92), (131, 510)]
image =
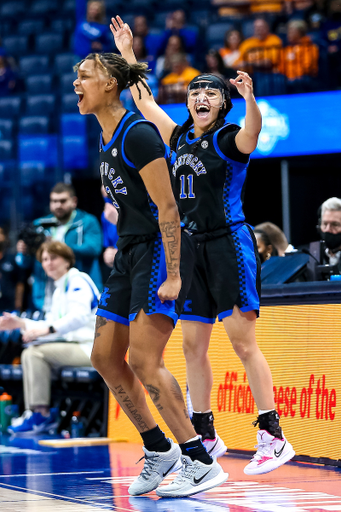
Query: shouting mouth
[(202, 110), (80, 97)]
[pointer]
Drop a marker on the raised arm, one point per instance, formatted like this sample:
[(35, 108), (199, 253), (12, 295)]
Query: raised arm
[(247, 137), (156, 179), (144, 101)]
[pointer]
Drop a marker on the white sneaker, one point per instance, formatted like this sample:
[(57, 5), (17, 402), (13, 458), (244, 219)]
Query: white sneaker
[(156, 467), (215, 447), (15, 422), (271, 453), (194, 477)]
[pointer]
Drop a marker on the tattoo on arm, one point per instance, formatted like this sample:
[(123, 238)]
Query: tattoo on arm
[(171, 240)]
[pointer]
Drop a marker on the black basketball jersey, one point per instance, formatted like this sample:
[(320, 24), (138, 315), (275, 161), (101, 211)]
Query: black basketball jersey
[(138, 214), (208, 184)]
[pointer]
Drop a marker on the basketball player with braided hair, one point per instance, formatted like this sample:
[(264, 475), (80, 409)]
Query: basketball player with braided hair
[(145, 292), (208, 177)]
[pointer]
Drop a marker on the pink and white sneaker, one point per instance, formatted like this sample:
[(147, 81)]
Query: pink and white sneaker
[(271, 453), (215, 447)]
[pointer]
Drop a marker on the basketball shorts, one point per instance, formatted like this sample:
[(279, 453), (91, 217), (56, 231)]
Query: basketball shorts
[(226, 273), (137, 274)]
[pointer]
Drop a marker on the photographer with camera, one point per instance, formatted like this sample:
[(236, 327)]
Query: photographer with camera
[(65, 337), (80, 230)]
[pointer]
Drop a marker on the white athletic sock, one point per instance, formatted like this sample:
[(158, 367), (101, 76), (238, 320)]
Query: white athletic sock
[(261, 411), (193, 439)]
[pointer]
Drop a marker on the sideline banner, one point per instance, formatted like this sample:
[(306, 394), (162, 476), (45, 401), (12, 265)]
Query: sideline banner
[(302, 345)]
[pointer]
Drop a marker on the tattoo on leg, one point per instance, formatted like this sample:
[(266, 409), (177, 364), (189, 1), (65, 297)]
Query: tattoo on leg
[(129, 407), (154, 395), (100, 321), (176, 390)]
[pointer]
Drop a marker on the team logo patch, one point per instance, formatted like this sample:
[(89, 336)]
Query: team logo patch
[(114, 152), (204, 144)]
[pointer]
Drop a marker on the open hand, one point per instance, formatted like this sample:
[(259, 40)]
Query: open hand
[(8, 322), (243, 84), (122, 34), (33, 334)]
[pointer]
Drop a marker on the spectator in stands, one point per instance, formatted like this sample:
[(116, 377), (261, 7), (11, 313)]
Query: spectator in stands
[(330, 230), (7, 75), (109, 221), (141, 53), (81, 231), (163, 63), (260, 56), (230, 52), (264, 246), (174, 85), (331, 34), (176, 25), (71, 320), (299, 58), (215, 64), (12, 278), (151, 41), (277, 238), (92, 34)]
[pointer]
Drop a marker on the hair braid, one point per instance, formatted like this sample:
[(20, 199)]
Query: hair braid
[(116, 66)]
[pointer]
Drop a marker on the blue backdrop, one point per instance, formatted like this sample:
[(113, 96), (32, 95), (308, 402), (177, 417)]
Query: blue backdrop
[(300, 124)]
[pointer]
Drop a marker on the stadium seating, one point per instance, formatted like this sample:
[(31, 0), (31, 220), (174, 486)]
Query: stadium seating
[(39, 84), (40, 104), (215, 33), (6, 150), (69, 102), (29, 27), (34, 64), (12, 9), (64, 62), (16, 45), (50, 43), (38, 148), (66, 82), (30, 125), (6, 128), (10, 106), (32, 172)]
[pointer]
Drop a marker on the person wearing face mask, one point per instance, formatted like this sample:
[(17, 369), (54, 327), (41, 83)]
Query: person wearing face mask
[(330, 230)]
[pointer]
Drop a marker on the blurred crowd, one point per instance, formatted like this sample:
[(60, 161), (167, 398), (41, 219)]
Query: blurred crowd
[(288, 46)]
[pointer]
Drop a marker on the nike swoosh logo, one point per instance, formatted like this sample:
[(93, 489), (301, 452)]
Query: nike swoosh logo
[(170, 469), (198, 480), (181, 146), (211, 450), (278, 454)]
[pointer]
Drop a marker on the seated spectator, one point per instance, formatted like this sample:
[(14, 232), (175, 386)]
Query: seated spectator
[(176, 25), (92, 35), (7, 75), (260, 56), (230, 52), (215, 64), (163, 63), (264, 246), (277, 238), (12, 278), (78, 229), (330, 230), (151, 41), (262, 50), (266, 6), (109, 221), (331, 34), (65, 337), (174, 85), (299, 58)]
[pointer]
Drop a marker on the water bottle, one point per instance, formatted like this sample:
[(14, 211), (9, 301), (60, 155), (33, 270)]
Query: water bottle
[(77, 426), (5, 417)]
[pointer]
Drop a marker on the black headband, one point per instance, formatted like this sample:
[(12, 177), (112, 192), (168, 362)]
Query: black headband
[(207, 81)]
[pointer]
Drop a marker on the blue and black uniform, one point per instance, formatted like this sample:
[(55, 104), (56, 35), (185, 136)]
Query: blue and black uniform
[(209, 184), (139, 266)]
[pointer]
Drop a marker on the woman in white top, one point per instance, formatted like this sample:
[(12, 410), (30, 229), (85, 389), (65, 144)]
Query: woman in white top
[(71, 319)]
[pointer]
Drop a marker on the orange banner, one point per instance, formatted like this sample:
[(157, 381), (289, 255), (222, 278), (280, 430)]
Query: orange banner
[(302, 346)]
